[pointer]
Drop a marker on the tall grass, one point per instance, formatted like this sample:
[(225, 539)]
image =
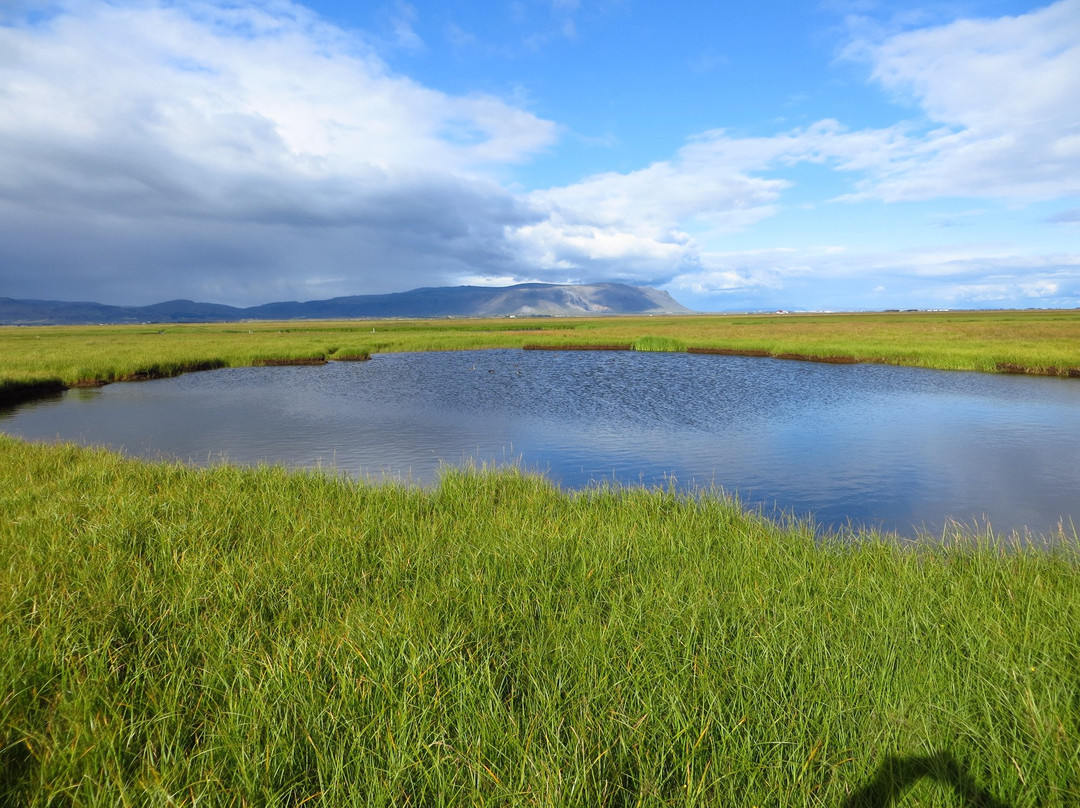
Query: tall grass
[(662, 344), (229, 636)]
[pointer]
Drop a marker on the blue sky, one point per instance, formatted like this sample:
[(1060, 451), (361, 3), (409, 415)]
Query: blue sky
[(834, 155)]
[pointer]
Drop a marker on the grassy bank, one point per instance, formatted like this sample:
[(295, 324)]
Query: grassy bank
[(1044, 342), (225, 636)]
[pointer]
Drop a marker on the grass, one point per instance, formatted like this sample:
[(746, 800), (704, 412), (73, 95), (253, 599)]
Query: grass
[(1045, 342), (227, 636), (663, 344)]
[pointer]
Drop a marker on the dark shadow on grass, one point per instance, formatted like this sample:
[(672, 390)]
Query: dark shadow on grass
[(16, 764), (896, 775)]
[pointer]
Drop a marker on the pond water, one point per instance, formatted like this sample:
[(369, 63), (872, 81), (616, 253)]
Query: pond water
[(902, 449)]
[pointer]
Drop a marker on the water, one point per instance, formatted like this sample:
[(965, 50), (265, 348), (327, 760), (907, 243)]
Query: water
[(897, 448)]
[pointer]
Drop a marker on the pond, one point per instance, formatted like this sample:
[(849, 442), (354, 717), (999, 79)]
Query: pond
[(901, 449)]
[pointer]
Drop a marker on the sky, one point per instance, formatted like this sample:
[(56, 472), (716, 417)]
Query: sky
[(830, 155)]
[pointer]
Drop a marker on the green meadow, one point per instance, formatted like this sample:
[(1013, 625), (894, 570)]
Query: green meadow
[(254, 636), (226, 636)]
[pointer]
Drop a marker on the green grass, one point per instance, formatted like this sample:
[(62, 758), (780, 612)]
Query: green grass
[(663, 344), (1037, 341), (225, 636)]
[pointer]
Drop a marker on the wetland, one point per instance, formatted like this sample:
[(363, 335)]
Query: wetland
[(189, 631), (903, 450)]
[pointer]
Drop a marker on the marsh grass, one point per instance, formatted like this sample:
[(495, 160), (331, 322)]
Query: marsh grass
[(175, 635), (1045, 342), (661, 344), (226, 636), (349, 354)]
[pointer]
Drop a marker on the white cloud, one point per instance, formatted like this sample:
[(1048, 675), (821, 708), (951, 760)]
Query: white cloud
[(263, 86), (1002, 106), (956, 276), (1001, 119), (401, 22), (641, 225), (243, 115)]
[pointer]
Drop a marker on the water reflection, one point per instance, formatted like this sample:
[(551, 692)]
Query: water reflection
[(899, 448)]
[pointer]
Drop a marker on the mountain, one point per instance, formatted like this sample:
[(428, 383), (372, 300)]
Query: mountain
[(522, 300)]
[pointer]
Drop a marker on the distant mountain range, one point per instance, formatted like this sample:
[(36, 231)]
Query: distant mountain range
[(523, 300)]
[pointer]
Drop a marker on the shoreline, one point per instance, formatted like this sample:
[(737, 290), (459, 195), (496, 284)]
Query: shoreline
[(14, 393)]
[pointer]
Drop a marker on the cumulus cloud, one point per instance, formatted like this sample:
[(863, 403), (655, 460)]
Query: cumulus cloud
[(654, 224), (635, 226), (193, 127)]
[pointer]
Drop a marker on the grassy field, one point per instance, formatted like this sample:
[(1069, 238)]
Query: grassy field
[(225, 636), (43, 358)]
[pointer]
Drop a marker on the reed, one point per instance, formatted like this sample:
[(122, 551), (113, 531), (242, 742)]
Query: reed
[(226, 636)]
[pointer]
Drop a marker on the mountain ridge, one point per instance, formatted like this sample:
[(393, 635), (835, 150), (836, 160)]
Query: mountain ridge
[(520, 300)]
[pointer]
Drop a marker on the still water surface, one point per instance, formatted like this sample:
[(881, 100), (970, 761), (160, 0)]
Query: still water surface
[(897, 448)]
